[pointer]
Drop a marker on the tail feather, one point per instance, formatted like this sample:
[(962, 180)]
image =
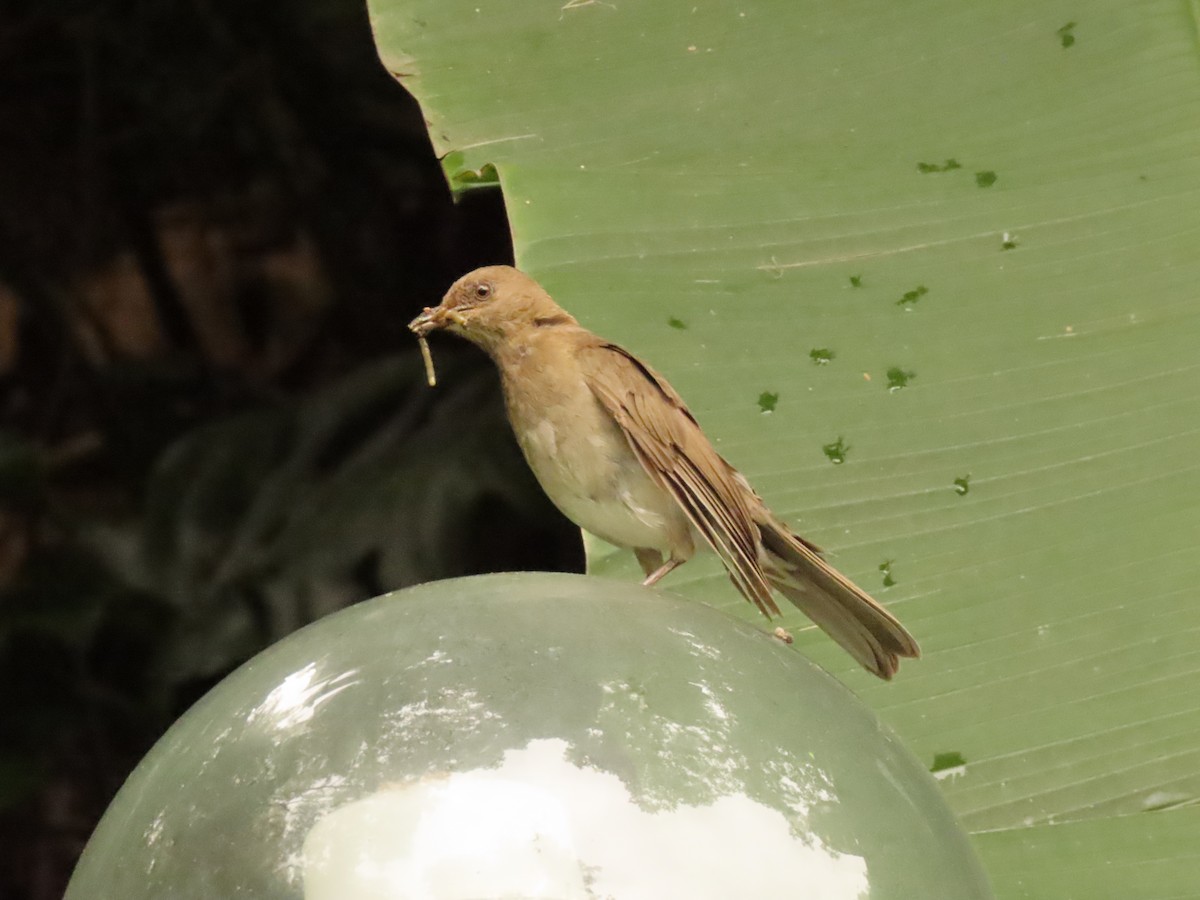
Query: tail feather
[(866, 630)]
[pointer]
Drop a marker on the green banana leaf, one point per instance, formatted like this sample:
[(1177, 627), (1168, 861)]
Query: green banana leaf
[(1147, 857), (928, 274)]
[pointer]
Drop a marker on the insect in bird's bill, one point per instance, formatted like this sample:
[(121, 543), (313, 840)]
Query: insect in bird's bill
[(427, 358), (617, 450)]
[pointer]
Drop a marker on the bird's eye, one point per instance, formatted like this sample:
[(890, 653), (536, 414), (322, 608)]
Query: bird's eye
[(483, 291)]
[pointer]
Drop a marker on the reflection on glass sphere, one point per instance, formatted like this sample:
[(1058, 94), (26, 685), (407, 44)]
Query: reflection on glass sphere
[(524, 736)]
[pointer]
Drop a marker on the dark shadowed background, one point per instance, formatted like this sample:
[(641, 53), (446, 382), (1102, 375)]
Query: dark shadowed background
[(216, 218)]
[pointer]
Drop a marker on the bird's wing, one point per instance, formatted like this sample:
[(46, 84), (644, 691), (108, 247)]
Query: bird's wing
[(676, 455)]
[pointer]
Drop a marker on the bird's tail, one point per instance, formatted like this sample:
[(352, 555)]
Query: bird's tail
[(866, 630)]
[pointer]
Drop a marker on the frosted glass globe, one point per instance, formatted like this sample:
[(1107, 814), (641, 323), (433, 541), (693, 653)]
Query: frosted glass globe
[(529, 735)]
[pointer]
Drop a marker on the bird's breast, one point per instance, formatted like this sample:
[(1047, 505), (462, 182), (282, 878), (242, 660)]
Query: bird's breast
[(585, 465)]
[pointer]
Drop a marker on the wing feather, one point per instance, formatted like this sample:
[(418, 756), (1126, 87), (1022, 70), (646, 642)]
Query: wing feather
[(675, 453)]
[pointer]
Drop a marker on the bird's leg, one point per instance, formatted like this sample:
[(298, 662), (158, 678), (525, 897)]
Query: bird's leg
[(654, 574), (668, 566), (649, 559)]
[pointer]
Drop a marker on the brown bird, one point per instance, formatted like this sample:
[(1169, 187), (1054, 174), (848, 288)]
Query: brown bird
[(617, 451)]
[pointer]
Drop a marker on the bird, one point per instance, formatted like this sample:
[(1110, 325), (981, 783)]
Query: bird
[(617, 450)]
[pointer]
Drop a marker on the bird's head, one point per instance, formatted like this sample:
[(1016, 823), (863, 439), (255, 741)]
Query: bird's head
[(491, 306)]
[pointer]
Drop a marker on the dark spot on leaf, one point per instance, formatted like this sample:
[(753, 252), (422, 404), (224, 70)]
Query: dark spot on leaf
[(911, 297), (962, 485), (899, 378), (677, 323), (949, 760), (886, 568), (836, 452), (820, 355), (464, 178), (767, 401), (948, 166), (985, 179)]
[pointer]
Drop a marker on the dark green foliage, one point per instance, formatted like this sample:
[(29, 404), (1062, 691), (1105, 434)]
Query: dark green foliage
[(186, 480)]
